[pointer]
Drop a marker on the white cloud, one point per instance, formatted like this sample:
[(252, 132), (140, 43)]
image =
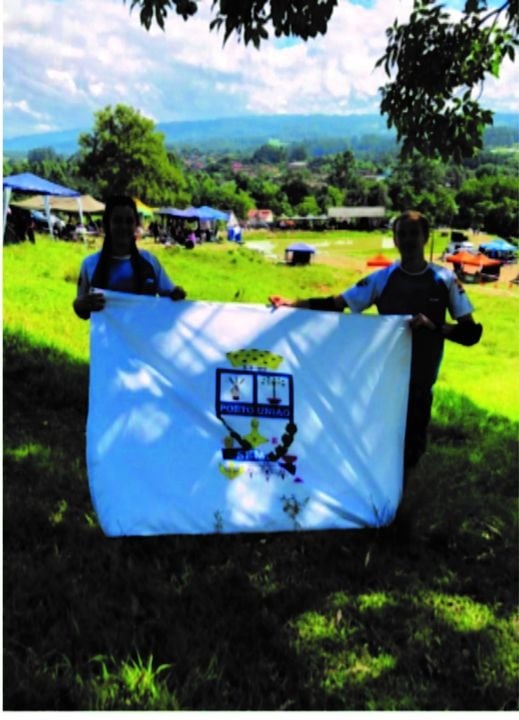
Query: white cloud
[(62, 79), (69, 59), (96, 88), (503, 92)]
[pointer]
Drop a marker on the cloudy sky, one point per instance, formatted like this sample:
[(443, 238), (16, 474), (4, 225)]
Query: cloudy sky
[(65, 59)]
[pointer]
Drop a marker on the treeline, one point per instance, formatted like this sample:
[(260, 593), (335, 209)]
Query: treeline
[(125, 153)]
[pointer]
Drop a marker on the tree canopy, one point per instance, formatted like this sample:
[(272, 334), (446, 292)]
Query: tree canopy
[(125, 154), (440, 67), (436, 65)]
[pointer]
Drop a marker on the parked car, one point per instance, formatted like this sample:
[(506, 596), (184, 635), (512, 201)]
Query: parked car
[(458, 246)]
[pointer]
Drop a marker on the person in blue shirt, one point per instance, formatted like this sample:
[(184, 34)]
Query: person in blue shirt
[(424, 291), (120, 265)]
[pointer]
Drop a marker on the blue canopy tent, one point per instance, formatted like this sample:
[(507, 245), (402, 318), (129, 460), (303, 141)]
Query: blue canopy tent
[(195, 213), (203, 214), (208, 213), (175, 212), (499, 249), (299, 253), (29, 183)]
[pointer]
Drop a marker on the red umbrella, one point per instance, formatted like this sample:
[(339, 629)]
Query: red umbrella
[(466, 258), (379, 261)]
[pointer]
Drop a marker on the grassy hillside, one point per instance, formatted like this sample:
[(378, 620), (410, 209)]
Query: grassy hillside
[(39, 302), (367, 620)]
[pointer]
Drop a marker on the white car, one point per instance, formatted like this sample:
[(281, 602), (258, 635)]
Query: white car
[(459, 246)]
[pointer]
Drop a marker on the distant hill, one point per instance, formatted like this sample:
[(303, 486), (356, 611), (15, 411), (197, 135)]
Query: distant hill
[(251, 131), (325, 132), (64, 142)]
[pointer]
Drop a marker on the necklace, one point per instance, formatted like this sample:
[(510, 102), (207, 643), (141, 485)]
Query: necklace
[(418, 272)]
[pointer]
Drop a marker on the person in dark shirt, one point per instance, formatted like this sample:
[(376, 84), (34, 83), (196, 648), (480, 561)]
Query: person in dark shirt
[(120, 265), (424, 291)]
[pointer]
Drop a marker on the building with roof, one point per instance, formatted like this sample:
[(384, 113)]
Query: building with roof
[(363, 216)]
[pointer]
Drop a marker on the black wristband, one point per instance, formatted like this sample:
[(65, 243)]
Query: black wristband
[(466, 333), (326, 304)]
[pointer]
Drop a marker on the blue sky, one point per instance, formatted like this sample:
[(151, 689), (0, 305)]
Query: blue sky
[(65, 60)]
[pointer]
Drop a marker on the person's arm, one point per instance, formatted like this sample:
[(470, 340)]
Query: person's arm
[(86, 301), (465, 331), (178, 293), (85, 304), (333, 303)]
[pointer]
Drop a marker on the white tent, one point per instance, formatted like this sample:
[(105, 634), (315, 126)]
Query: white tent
[(65, 204)]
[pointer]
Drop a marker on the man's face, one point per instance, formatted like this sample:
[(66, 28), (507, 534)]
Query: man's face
[(409, 236), (122, 228)]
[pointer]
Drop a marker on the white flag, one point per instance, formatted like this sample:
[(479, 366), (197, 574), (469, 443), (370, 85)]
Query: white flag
[(209, 417)]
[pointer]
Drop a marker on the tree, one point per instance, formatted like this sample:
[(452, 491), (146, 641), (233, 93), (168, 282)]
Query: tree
[(344, 175), (297, 153), (329, 196), (270, 153), (439, 65), (296, 190), (489, 202), (124, 154), (307, 206), (419, 183), (248, 19), (268, 194), (46, 163), (439, 62), (206, 190), (40, 155)]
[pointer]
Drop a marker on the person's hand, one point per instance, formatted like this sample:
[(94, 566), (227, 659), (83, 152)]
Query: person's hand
[(421, 321), (278, 301), (178, 293), (93, 302)]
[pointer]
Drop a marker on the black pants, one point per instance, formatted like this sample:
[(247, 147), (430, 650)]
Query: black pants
[(418, 418)]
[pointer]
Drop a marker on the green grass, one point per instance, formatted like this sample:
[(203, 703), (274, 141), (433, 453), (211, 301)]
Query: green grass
[(368, 620), (40, 303)]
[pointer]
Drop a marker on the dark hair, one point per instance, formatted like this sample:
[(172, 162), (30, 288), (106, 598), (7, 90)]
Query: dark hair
[(412, 216), (111, 203), (142, 270)]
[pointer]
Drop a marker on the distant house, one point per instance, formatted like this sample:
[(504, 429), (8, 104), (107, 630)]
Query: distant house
[(260, 217), (194, 163), (364, 216)]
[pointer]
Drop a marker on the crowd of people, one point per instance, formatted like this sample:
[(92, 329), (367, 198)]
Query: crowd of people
[(175, 231)]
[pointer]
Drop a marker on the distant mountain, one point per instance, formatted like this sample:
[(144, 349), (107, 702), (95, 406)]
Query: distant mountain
[(242, 133), (64, 142), (246, 132), (254, 130)]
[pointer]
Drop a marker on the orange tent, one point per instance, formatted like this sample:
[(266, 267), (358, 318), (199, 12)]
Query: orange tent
[(466, 258), (379, 261)]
